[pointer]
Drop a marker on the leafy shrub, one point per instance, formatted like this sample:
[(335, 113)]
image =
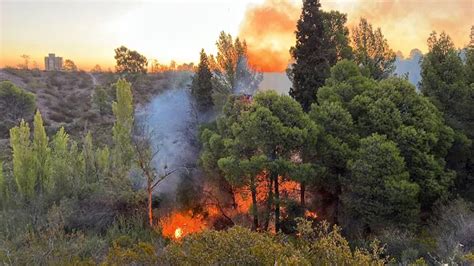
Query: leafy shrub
[(15, 104), (236, 246)]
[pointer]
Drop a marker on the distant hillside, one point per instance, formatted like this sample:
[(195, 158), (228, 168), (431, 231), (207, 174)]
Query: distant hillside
[(66, 98)]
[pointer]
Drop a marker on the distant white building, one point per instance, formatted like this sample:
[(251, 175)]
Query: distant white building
[(53, 63)]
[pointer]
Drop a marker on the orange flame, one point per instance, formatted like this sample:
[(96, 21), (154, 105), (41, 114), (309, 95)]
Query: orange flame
[(180, 224)]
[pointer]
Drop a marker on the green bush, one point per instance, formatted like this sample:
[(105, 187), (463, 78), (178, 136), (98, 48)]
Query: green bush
[(15, 104)]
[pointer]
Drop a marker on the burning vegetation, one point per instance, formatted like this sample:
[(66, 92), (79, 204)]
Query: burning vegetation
[(217, 210)]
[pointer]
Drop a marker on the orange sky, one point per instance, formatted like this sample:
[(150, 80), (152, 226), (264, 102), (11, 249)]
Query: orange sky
[(88, 31), (269, 27)]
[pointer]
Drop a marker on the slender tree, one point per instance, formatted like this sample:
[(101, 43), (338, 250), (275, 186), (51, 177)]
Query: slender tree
[(122, 130), (337, 36), (202, 83), (231, 71), (3, 187), (447, 82), (311, 64), (372, 52), (23, 159), (41, 154)]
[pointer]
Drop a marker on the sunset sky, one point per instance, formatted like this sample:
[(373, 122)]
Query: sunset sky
[(88, 31)]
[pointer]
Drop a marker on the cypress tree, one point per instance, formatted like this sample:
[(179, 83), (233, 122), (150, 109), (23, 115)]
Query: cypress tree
[(311, 66), (41, 154), (122, 130), (3, 187), (202, 84), (22, 159)]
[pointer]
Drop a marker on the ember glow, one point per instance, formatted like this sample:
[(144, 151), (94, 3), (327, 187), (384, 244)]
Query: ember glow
[(178, 224)]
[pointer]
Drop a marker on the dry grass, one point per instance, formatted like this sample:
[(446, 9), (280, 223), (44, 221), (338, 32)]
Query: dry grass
[(64, 98)]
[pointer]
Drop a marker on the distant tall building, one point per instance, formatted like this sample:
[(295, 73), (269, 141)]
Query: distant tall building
[(53, 63)]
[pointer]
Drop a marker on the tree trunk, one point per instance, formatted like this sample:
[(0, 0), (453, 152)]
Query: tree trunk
[(253, 189), (302, 192), (277, 202), (150, 203), (269, 204)]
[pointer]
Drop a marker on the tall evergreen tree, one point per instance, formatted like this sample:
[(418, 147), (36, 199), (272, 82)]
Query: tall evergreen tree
[(3, 187), (202, 83), (122, 129), (311, 66), (447, 82), (231, 72), (41, 154), (23, 159), (470, 59), (337, 36), (372, 52)]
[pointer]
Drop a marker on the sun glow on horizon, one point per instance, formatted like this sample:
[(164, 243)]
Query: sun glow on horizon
[(88, 32)]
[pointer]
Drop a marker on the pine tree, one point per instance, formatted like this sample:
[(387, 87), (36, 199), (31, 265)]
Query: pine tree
[(41, 154), (22, 159), (202, 84), (3, 187), (311, 66), (122, 130), (88, 154), (372, 52), (60, 164), (378, 191), (470, 60)]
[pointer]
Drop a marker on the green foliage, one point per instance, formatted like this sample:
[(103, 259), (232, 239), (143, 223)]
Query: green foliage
[(310, 52), (125, 252), (51, 245), (23, 160), (3, 187), (230, 69), (41, 154), (129, 61), (337, 35), (15, 104), (102, 100), (236, 246), (444, 82), (201, 87), (122, 153), (263, 135), (371, 50), (323, 246), (447, 82), (67, 167), (353, 107), (322, 39), (378, 193), (326, 246)]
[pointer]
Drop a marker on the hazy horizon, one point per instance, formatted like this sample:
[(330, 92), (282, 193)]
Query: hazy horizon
[(87, 32)]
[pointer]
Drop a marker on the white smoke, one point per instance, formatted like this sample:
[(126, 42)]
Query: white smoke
[(170, 119)]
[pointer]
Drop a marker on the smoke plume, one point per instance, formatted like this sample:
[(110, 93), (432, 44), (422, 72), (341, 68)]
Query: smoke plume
[(269, 28)]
